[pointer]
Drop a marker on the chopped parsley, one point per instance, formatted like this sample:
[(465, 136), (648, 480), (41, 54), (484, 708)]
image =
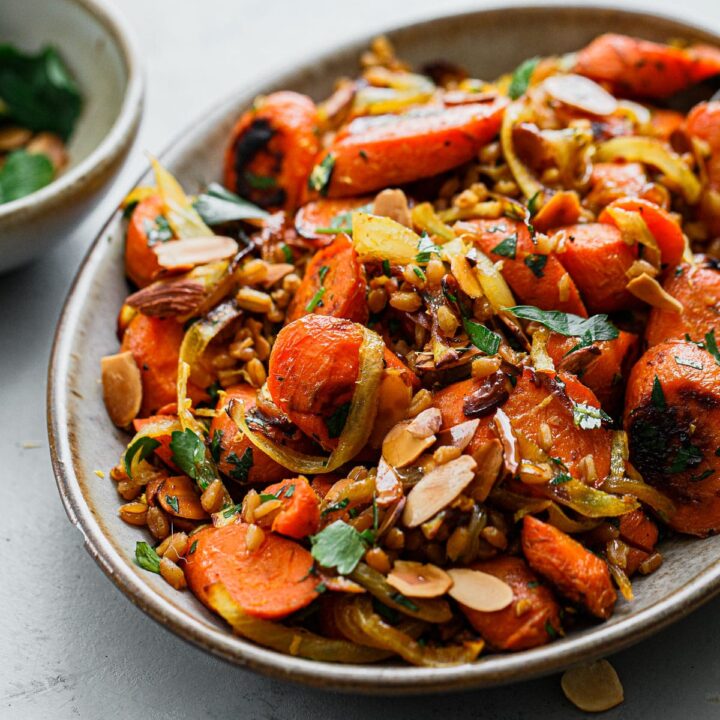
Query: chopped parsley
[(520, 79), (335, 507), (426, 249), (336, 422), (419, 274), (289, 491), (709, 343), (536, 263), (241, 465), (657, 395), (287, 252), (147, 558), (316, 300), (560, 479), (158, 231), (140, 450), (687, 456), (532, 204), (321, 174), (216, 445), (193, 547), (190, 455), (322, 272), (386, 268), (508, 247), (338, 546), (400, 599), (260, 182), (482, 338), (173, 502)]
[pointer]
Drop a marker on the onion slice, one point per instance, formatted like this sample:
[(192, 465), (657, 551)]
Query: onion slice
[(528, 183)]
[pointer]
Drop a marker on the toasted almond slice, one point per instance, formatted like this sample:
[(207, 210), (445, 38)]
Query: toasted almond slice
[(413, 579), (582, 93), (639, 267), (593, 688), (340, 583), (650, 291), (489, 457), (388, 488), (479, 590), (426, 423), (275, 272), (459, 436), (437, 489), (393, 203), (177, 254), (122, 387), (400, 447)]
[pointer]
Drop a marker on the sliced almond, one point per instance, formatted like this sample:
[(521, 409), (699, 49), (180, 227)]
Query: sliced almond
[(582, 93), (489, 457), (413, 579), (479, 591), (177, 254), (275, 272), (122, 387), (340, 583), (639, 267), (393, 203), (388, 488), (459, 436), (426, 423), (593, 688), (649, 290), (400, 447), (437, 489)]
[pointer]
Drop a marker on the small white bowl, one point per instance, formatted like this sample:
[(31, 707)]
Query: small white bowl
[(102, 55)]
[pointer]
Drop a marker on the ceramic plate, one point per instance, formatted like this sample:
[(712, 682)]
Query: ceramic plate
[(83, 439)]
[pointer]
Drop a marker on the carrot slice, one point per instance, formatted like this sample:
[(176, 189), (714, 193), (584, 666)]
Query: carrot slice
[(313, 369), (672, 416), (664, 227), (611, 181), (271, 151), (596, 257), (334, 284), (576, 572), (163, 452), (697, 287), (533, 617), (535, 279), (368, 155), (322, 215), (300, 512), (638, 529), (141, 263), (663, 123), (703, 122), (179, 498), (269, 582), (155, 345)]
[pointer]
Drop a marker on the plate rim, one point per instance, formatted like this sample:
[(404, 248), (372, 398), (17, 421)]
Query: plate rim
[(492, 670)]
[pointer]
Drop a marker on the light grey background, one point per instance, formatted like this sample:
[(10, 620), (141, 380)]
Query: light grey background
[(70, 644)]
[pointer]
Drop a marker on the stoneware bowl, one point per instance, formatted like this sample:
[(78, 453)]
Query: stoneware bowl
[(101, 54), (82, 438)]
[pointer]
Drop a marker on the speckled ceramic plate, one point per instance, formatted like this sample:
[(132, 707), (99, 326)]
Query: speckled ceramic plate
[(82, 438)]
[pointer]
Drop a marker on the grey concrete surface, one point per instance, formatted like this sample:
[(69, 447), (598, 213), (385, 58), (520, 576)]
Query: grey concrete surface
[(71, 646)]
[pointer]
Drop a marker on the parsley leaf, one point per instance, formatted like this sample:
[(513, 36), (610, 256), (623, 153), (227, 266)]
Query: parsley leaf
[(482, 338), (711, 345), (24, 173), (657, 395), (316, 300), (339, 546), (173, 502), (508, 247), (322, 272), (140, 450), (560, 479), (216, 445), (287, 252), (426, 248), (289, 490), (588, 417), (340, 505), (321, 175), (532, 204), (146, 557), (386, 268), (687, 456), (536, 263), (241, 465), (336, 422), (190, 455), (158, 231), (520, 79), (218, 205)]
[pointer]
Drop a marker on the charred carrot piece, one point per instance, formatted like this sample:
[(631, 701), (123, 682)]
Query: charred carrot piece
[(299, 515), (646, 69), (672, 416), (334, 284), (612, 181), (317, 220), (533, 617), (576, 572), (270, 581), (697, 287), (596, 257), (368, 155), (664, 227), (141, 263), (637, 529), (272, 149), (155, 345), (663, 123), (178, 497), (536, 279), (313, 369), (703, 122)]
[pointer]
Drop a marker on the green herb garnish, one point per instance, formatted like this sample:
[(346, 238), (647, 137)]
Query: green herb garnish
[(190, 455), (536, 263), (241, 465), (316, 300), (321, 174), (23, 173), (140, 450), (482, 338), (588, 417), (147, 558), (336, 422), (217, 206), (338, 546), (508, 247), (520, 79), (657, 395)]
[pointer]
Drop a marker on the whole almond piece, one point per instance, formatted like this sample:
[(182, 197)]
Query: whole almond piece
[(122, 387)]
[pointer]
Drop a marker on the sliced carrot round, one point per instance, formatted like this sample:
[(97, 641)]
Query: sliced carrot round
[(300, 512), (141, 263)]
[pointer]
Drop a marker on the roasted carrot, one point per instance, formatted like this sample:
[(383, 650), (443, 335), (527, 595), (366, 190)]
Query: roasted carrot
[(646, 69), (672, 415), (703, 123), (603, 367), (299, 515), (697, 287), (367, 155), (313, 369), (334, 284), (178, 497), (268, 582), (237, 458), (163, 451), (541, 399), (315, 220), (612, 181), (141, 263), (637, 529), (271, 151), (155, 345), (536, 279), (596, 257), (533, 617), (663, 123), (563, 208), (576, 572), (664, 227)]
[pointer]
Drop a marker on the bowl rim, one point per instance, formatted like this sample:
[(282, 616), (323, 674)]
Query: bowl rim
[(114, 141), (367, 679)]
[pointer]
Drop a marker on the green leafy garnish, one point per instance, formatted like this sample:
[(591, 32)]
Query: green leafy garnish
[(532, 204), (560, 479), (687, 456), (260, 182), (321, 174), (588, 417), (342, 222), (289, 490), (339, 546), (140, 450), (508, 247), (419, 273), (172, 501), (24, 173), (190, 455), (536, 263), (218, 205), (157, 231), (287, 252), (193, 547), (316, 300), (335, 507), (400, 599), (711, 346), (241, 465), (37, 91), (657, 395), (386, 268), (336, 422), (482, 338), (521, 78), (589, 330), (322, 272), (426, 249), (147, 558), (266, 497)]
